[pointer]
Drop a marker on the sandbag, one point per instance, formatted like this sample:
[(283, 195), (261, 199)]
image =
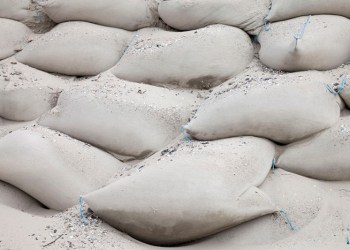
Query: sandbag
[(323, 156), (343, 88), (287, 9), (13, 197), (198, 59), (301, 198), (130, 119), (324, 43), (7, 126), (76, 48), (53, 168), (28, 12), (13, 36), (186, 192), (285, 108), (189, 15), (26, 93), (129, 15)]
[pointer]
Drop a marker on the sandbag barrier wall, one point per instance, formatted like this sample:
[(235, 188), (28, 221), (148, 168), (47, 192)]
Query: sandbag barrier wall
[(210, 53)]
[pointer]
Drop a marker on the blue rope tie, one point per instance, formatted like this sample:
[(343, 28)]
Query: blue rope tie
[(185, 135), (286, 217), (331, 90), (273, 166), (37, 11), (82, 217), (266, 25), (347, 240), (302, 30), (342, 85)]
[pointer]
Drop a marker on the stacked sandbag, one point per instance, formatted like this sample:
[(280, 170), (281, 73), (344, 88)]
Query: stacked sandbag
[(7, 126), (29, 12), (128, 15), (323, 156), (342, 87), (300, 197), (202, 58), (287, 9), (26, 93), (15, 198), (129, 119), (188, 15), (306, 43), (76, 48), (13, 37), (53, 168), (186, 192), (285, 108)]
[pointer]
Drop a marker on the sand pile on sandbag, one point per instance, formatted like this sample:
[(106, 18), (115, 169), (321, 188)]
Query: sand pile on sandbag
[(284, 108), (323, 156), (323, 44), (53, 168), (189, 15), (13, 197), (76, 48), (301, 198), (287, 9), (13, 36), (26, 93), (28, 12), (202, 58), (129, 15), (188, 192), (130, 119)]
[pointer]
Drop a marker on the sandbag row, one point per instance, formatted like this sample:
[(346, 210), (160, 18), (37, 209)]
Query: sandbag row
[(199, 59), (186, 192), (28, 12), (306, 43), (128, 119), (52, 167)]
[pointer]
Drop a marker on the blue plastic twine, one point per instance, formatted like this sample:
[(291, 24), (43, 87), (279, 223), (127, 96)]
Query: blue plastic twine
[(185, 135), (285, 216), (37, 11), (347, 240), (273, 166), (302, 30), (342, 85), (331, 90), (82, 217), (266, 25)]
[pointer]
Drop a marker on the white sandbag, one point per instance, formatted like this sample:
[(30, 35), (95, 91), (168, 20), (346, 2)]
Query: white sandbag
[(53, 168), (130, 119), (301, 198), (342, 87), (129, 15), (188, 192), (26, 93), (13, 197), (324, 43), (13, 36), (323, 156), (28, 12), (285, 108), (200, 59), (287, 9), (188, 15), (76, 48)]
